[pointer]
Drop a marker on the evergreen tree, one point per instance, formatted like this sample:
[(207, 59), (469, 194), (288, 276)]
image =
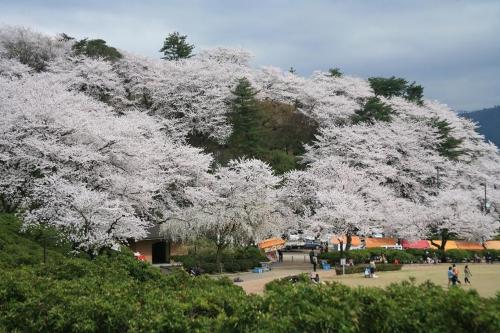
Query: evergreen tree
[(245, 118), (448, 145), (96, 48), (175, 47), (388, 87), (415, 93), (393, 86), (373, 110), (335, 72)]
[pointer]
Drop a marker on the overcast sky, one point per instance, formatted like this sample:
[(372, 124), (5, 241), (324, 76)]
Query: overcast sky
[(451, 47)]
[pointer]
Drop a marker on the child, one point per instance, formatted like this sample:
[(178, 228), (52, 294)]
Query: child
[(451, 276), (456, 273), (468, 274)]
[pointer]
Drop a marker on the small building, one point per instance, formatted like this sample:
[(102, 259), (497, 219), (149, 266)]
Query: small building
[(156, 249)]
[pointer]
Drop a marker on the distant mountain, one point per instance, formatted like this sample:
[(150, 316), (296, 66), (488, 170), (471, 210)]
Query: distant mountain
[(489, 122)]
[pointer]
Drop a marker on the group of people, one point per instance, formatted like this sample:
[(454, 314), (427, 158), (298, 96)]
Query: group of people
[(370, 270), (454, 275)]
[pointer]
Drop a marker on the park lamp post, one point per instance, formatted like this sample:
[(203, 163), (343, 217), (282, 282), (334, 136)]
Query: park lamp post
[(486, 205)]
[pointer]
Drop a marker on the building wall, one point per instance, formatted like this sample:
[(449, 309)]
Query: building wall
[(145, 247)]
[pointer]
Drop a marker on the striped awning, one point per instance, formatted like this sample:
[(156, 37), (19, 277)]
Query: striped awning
[(272, 244)]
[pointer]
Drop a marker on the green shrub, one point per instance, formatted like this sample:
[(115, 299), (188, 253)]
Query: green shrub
[(116, 293), (459, 255), (233, 260), (364, 256), (361, 268)]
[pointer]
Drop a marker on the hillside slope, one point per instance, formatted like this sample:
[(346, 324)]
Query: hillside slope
[(17, 248), (489, 122), (104, 146)]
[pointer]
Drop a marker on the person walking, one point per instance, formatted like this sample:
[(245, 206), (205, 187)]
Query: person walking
[(456, 272), (467, 274), (372, 268), (315, 262), (280, 255), (489, 258), (311, 255), (451, 277)]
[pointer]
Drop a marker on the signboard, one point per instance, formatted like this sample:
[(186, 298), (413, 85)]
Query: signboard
[(342, 261)]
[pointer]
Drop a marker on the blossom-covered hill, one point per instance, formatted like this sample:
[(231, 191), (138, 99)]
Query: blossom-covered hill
[(99, 146)]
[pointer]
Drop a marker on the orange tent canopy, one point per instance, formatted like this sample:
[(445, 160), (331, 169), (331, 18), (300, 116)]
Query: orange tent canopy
[(450, 245), (469, 246), (271, 243), (355, 241), (492, 244), (379, 242)]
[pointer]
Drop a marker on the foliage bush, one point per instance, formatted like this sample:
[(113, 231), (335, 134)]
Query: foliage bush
[(364, 256), (233, 260), (361, 268), (409, 256), (116, 293)]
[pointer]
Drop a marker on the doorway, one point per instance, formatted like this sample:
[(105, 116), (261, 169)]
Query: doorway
[(159, 250)]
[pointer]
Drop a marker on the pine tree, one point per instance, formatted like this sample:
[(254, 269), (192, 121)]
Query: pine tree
[(373, 110), (448, 146), (335, 72), (245, 117), (175, 47)]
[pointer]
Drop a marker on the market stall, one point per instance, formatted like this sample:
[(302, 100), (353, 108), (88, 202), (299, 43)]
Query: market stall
[(271, 247)]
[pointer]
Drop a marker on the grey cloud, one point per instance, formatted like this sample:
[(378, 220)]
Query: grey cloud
[(452, 47)]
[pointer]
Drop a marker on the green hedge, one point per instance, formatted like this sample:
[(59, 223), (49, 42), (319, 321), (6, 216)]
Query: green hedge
[(235, 260), (409, 256), (119, 294), (364, 256), (361, 268)]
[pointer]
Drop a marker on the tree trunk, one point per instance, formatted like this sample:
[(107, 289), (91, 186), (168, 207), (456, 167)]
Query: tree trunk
[(218, 259), (348, 242), (441, 247)]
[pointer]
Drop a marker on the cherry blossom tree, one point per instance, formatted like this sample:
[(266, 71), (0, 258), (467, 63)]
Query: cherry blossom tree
[(90, 219), (239, 204), (128, 159), (78, 130)]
